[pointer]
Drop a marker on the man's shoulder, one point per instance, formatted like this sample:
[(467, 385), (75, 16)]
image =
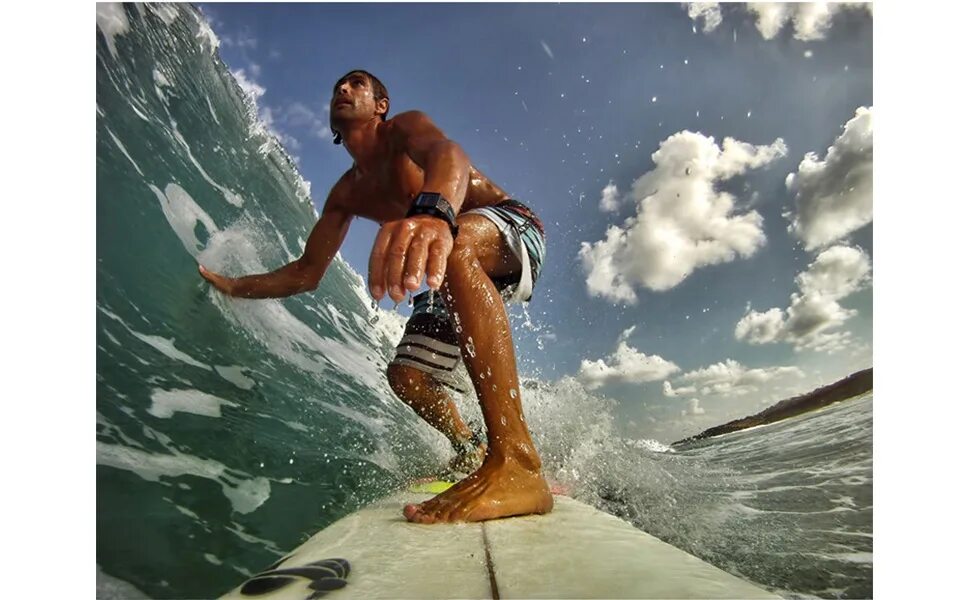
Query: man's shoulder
[(341, 191), (407, 117), (406, 122)]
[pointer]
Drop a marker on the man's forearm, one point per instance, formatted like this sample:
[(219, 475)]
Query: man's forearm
[(291, 279), (447, 173)]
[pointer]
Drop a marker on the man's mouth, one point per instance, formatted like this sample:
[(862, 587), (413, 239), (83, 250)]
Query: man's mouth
[(342, 102)]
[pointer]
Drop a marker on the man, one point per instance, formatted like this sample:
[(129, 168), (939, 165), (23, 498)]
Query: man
[(411, 179)]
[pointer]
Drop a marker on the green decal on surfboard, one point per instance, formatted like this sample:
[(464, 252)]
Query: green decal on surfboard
[(430, 487)]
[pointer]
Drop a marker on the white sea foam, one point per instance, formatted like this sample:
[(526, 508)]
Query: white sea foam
[(167, 347), (165, 403), (374, 425), (113, 339), (245, 495), (187, 512), (651, 445), (208, 40), (230, 196), (240, 532), (112, 21), (160, 344), (112, 588), (166, 12), (160, 79), (212, 111), (294, 341), (124, 151), (183, 214), (282, 333), (234, 375)]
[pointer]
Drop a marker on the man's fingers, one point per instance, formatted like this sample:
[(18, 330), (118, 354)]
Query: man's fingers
[(223, 284), (376, 267), (397, 251), (414, 265), (438, 253), (209, 276)]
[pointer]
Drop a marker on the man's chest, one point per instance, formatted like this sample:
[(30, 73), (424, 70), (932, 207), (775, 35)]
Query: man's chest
[(385, 193)]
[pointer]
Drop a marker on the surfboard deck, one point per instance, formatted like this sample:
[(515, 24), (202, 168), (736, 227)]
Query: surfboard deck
[(576, 551)]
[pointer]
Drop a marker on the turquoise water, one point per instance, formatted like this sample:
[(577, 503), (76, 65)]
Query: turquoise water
[(228, 431)]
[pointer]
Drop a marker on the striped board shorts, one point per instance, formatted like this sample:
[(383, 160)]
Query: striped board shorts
[(430, 343)]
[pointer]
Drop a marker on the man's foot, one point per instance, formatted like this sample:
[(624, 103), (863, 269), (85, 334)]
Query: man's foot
[(494, 491)]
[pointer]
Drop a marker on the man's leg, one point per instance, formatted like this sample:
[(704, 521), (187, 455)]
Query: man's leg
[(431, 402), (510, 481)]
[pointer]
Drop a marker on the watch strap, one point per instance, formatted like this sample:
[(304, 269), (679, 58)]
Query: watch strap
[(435, 205)]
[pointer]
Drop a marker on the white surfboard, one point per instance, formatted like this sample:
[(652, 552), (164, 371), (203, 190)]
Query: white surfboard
[(576, 551)]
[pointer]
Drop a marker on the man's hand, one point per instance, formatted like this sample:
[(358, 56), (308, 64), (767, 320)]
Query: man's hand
[(404, 251), (223, 284)]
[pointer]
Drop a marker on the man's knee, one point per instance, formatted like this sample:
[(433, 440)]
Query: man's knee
[(463, 253), (407, 382)]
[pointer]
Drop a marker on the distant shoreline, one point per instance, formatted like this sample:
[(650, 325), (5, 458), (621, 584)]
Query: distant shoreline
[(854, 385)]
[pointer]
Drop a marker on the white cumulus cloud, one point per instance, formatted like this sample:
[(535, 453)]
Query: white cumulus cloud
[(810, 20), (833, 196), (709, 12), (301, 116), (693, 408), (671, 392), (731, 378), (610, 198), (625, 365), (683, 221), (814, 314)]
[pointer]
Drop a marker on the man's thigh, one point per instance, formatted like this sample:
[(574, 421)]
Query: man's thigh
[(492, 251)]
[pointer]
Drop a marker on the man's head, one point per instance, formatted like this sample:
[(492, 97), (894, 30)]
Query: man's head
[(357, 94)]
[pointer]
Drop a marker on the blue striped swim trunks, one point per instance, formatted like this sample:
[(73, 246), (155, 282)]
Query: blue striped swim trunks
[(430, 343)]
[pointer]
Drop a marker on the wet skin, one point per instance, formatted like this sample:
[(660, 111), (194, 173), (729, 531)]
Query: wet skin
[(394, 161)]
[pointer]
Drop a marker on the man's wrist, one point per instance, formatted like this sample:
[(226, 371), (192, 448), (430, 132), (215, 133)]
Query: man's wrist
[(434, 205)]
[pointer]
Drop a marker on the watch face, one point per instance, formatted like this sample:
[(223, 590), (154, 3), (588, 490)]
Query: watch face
[(428, 200)]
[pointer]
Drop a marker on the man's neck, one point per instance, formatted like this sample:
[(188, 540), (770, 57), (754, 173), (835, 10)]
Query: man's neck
[(361, 142)]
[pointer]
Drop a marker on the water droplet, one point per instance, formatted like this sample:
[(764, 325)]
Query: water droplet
[(504, 421), (513, 393)]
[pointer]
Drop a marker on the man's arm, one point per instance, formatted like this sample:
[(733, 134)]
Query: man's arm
[(301, 275), (408, 249), (446, 166)]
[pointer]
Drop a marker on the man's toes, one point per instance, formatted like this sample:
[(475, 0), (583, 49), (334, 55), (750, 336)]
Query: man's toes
[(411, 511)]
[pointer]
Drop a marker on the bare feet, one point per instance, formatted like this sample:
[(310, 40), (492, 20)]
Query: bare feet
[(497, 489)]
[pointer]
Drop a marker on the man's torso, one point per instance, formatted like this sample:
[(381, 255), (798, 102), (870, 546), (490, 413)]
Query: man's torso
[(385, 193)]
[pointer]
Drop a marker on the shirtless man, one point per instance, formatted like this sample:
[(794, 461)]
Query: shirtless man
[(411, 179)]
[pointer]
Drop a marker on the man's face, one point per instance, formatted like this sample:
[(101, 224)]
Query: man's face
[(353, 96)]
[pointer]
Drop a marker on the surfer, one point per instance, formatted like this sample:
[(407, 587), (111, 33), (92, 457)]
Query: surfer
[(445, 222)]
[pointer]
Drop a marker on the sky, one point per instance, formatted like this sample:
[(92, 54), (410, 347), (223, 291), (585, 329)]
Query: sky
[(704, 172)]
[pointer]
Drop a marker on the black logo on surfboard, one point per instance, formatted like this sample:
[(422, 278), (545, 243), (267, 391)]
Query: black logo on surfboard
[(324, 576)]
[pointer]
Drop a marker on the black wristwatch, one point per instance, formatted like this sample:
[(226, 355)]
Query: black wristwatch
[(431, 203)]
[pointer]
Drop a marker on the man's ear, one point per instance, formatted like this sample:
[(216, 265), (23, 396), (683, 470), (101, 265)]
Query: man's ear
[(383, 105)]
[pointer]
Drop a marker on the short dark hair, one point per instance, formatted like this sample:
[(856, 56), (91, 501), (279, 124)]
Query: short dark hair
[(380, 93)]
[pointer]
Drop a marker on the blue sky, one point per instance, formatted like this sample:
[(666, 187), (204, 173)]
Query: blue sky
[(739, 269)]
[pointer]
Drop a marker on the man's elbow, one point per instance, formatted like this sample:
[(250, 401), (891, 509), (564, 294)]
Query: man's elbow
[(309, 276)]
